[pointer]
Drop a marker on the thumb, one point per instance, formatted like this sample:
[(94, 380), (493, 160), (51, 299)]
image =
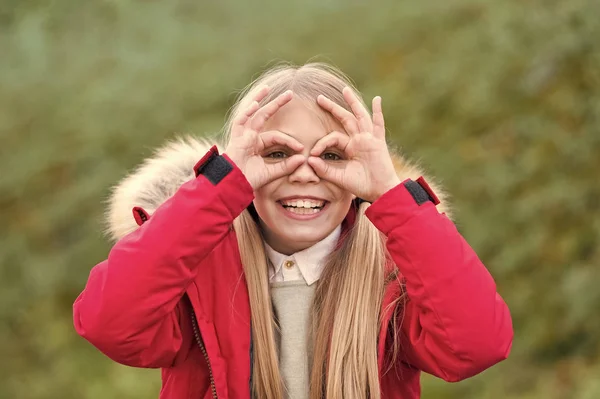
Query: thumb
[(325, 171), (286, 167)]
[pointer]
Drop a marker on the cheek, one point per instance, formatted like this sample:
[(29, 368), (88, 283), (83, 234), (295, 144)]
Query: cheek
[(343, 200), (260, 201), (340, 195), (263, 199)]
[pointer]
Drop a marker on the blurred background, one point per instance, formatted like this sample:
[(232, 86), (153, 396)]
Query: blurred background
[(500, 100)]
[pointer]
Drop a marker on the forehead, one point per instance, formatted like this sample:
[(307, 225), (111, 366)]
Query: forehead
[(303, 120)]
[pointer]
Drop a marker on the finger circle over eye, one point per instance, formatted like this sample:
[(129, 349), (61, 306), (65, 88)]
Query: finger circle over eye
[(271, 138), (334, 139), (286, 167)]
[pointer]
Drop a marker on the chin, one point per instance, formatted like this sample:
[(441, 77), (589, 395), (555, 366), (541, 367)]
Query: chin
[(294, 238), (305, 237)]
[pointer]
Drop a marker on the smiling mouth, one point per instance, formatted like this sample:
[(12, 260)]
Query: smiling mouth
[(303, 207)]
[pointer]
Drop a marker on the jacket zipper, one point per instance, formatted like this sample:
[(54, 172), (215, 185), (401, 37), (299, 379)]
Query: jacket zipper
[(200, 343)]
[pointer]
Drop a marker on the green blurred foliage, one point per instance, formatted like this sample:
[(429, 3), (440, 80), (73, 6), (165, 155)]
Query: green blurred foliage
[(499, 100)]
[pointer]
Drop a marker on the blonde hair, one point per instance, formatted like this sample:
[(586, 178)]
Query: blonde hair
[(346, 316)]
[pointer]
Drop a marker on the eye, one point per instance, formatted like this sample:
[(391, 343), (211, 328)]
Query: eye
[(276, 155), (331, 156)]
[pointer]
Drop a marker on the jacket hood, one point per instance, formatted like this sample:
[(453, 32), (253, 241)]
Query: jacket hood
[(161, 175)]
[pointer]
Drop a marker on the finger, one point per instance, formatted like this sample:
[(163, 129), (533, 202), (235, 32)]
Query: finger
[(362, 115), (262, 115), (261, 93), (326, 171), (345, 117), (285, 167), (272, 138), (332, 140), (378, 121), (239, 122)]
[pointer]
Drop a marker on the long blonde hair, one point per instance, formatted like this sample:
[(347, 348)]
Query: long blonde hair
[(346, 315)]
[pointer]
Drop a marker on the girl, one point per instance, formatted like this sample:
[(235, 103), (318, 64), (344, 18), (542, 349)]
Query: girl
[(303, 262)]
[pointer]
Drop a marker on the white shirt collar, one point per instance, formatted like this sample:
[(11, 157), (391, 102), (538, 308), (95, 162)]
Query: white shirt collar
[(308, 263)]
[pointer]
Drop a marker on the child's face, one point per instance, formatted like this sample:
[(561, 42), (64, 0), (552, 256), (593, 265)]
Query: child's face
[(289, 226)]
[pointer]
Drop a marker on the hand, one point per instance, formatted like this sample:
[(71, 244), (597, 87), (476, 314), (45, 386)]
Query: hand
[(247, 144), (368, 170)]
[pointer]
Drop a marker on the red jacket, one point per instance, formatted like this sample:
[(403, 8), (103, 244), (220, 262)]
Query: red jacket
[(172, 295)]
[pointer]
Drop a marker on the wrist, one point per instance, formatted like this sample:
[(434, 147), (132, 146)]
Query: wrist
[(385, 187), (239, 164), (235, 159)]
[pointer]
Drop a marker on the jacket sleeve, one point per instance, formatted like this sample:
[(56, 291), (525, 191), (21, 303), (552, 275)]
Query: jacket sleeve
[(129, 308), (455, 324)]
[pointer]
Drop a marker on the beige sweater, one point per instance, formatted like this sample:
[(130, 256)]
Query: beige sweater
[(291, 302)]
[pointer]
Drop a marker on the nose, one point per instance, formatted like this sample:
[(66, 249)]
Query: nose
[(304, 174)]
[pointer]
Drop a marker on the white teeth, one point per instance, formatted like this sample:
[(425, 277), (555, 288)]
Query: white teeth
[(303, 211), (306, 204)]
